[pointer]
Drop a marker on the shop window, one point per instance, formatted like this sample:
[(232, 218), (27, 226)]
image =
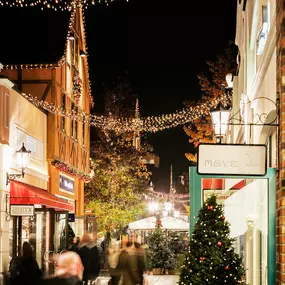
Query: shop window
[(245, 203), (63, 106), (83, 132), (74, 124), (263, 33), (6, 110), (76, 51)]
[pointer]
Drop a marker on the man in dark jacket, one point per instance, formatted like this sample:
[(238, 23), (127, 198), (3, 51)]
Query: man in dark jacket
[(90, 258), (24, 270)]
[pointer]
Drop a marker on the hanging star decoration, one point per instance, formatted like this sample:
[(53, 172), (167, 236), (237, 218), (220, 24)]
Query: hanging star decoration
[(150, 124)]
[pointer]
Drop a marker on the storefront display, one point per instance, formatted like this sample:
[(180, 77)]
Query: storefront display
[(249, 207), (40, 229)]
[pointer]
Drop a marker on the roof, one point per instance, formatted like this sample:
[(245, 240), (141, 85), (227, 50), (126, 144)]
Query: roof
[(30, 35), (168, 223)]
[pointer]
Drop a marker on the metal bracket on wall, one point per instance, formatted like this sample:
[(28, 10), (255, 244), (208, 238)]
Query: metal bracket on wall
[(7, 208)]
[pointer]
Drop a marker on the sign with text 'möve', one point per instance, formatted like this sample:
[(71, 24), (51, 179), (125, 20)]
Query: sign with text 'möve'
[(232, 159)]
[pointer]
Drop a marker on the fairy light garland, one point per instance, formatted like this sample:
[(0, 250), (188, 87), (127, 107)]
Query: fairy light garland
[(63, 59), (57, 5), (122, 125)]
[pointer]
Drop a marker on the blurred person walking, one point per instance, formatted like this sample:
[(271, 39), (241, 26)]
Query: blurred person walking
[(113, 260), (129, 276), (69, 270), (89, 254), (74, 246), (24, 270)]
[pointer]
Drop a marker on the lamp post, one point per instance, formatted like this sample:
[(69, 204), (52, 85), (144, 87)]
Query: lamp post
[(22, 158)]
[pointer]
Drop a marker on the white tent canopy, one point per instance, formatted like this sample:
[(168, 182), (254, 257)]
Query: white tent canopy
[(168, 223)]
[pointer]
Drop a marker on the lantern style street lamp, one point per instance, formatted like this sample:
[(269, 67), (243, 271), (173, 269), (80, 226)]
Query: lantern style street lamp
[(153, 206), (22, 159), (220, 119)]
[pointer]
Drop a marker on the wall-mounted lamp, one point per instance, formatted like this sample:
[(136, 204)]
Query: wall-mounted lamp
[(22, 158), (220, 116), (82, 53)]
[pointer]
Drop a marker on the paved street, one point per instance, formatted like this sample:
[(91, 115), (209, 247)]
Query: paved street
[(163, 279), (152, 280)]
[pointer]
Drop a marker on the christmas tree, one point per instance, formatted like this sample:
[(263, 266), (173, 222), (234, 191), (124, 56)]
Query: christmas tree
[(160, 252), (211, 259)]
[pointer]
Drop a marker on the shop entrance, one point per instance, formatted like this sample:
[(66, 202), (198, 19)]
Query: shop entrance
[(249, 203)]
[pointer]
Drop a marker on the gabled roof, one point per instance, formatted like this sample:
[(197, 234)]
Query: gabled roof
[(31, 35)]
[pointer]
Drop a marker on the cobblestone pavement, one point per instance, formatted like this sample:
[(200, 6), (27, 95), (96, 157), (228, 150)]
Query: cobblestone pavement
[(163, 279)]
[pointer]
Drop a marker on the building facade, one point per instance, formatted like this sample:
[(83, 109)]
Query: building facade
[(255, 108), (52, 67), (280, 195)]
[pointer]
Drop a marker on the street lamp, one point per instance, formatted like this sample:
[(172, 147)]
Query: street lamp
[(153, 206), (220, 118), (22, 158), (168, 206)]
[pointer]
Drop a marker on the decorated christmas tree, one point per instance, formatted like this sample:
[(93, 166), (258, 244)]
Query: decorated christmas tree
[(211, 259), (160, 252)]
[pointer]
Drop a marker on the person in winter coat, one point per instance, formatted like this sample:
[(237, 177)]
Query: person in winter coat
[(90, 258), (24, 270), (69, 270), (125, 265), (74, 246), (113, 259)]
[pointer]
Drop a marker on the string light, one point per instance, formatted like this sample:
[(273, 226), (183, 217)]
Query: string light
[(57, 5), (63, 59), (123, 125)]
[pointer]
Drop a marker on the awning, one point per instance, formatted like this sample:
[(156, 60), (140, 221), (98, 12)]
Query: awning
[(24, 194)]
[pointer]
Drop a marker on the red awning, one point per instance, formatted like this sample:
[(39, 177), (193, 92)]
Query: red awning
[(24, 194), (219, 183)]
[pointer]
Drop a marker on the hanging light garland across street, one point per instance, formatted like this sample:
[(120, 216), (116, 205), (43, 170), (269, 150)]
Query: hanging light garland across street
[(151, 124), (57, 5)]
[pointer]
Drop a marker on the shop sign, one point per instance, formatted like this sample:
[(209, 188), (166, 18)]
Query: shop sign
[(66, 184), (22, 210), (232, 159)]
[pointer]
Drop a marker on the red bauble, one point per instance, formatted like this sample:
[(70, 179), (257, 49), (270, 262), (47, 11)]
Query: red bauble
[(202, 258), (227, 267), (219, 243), (210, 207), (223, 218)]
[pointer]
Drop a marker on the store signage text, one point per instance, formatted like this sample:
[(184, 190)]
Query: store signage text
[(231, 159), (22, 210), (66, 184)]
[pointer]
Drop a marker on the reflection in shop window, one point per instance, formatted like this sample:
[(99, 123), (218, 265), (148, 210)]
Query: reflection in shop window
[(245, 203)]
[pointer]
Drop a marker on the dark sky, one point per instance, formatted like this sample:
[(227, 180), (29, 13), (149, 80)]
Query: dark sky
[(163, 44)]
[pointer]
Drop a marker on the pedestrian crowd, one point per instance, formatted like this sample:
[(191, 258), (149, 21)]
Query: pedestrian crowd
[(80, 264)]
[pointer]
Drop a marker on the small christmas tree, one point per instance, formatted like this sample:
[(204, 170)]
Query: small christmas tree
[(160, 253), (211, 259)]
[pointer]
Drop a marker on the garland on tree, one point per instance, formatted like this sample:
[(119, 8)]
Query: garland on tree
[(211, 259), (70, 170)]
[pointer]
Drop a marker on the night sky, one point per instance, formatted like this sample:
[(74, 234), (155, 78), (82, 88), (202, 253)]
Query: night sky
[(163, 45)]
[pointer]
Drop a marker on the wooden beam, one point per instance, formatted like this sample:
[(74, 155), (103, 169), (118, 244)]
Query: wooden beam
[(48, 87)]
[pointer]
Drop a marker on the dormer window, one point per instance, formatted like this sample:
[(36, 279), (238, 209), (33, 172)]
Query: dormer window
[(262, 37)]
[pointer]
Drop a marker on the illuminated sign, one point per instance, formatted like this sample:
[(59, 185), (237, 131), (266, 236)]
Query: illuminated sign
[(66, 184)]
